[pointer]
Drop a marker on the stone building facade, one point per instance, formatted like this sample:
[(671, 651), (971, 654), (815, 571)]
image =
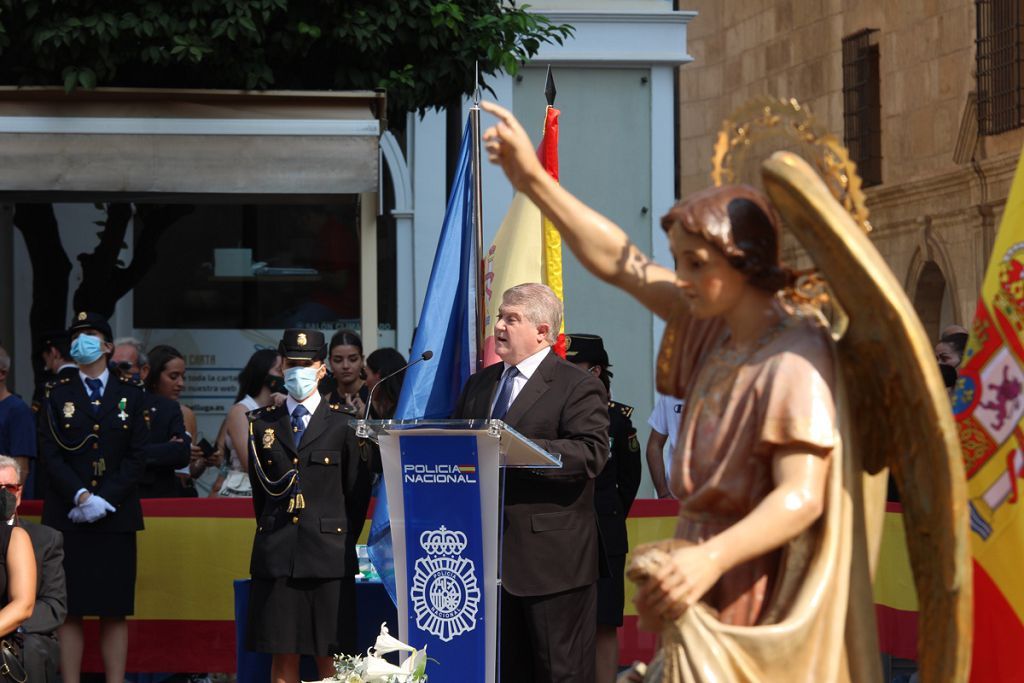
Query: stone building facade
[(943, 184)]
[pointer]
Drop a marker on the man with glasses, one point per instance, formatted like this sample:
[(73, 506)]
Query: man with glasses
[(130, 359), (40, 650)]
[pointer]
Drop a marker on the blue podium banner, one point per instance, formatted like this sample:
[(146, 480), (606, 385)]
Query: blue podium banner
[(444, 559)]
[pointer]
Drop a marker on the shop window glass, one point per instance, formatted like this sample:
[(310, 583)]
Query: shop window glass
[(259, 266)]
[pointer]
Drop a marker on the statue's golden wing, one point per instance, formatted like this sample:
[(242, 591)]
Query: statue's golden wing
[(903, 415)]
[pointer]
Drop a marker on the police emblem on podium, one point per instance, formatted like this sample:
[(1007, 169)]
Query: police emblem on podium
[(444, 592)]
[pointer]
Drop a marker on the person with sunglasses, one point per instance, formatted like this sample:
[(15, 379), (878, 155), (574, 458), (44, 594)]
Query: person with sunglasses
[(92, 445), (130, 359), (40, 651)]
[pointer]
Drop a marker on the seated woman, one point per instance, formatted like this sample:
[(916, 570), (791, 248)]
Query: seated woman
[(757, 439), (17, 563)]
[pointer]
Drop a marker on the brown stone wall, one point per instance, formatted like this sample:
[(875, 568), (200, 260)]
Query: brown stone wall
[(943, 187)]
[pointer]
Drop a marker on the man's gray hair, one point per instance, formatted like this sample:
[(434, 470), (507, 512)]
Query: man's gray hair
[(5, 359), (8, 461), (539, 303), (142, 358)]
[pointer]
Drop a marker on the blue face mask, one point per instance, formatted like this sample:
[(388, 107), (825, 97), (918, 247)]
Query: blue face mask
[(300, 382), (86, 349)]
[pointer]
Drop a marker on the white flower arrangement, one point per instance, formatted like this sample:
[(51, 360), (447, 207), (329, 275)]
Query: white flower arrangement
[(373, 668)]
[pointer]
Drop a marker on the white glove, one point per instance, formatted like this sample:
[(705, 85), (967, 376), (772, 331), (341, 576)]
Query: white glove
[(76, 515), (95, 508)]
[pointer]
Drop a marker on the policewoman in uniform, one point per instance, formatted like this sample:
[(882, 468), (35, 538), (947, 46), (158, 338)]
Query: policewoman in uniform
[(311, 488), (91, 445), (614, 492)]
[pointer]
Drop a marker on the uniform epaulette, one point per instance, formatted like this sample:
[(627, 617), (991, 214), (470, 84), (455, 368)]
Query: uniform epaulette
[(336, 407), (626, 411), (126, 380), (257, 413)]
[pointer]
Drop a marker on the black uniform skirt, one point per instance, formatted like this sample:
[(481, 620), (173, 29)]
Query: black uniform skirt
[(100, 573), (302, 616), (611, 593)]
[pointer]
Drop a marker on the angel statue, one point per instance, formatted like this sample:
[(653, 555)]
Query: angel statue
[(786, 436)]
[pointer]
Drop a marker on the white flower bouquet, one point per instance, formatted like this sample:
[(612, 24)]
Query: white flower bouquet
[(373, 668)]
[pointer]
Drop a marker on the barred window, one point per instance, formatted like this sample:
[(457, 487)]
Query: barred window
[(862, 105), (999, 65)]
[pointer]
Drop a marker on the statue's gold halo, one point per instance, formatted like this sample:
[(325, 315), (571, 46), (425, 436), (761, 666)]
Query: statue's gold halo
[(787, 123)]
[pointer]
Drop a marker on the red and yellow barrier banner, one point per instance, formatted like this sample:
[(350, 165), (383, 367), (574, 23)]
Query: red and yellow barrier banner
[(193, 550)]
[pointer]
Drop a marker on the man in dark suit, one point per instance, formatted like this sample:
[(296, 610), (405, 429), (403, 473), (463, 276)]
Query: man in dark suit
[(40, 650), (91, 444), (614, 492), (311, 488), (550, 560)]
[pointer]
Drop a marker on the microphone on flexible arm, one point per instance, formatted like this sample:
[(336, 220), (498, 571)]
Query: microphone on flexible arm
[(362, 431)]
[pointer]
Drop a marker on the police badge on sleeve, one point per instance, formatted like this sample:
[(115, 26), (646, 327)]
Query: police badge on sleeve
[(445, 594)]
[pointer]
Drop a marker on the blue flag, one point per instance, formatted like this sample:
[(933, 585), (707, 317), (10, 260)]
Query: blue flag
[(447, 327)]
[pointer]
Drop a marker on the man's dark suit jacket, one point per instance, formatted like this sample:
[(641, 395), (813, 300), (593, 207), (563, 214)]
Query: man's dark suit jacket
[(550, 538), (318, 541), (163, 456), (51, 591)]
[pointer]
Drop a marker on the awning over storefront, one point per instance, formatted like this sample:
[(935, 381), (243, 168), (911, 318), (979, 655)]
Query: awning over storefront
[(188, 142)]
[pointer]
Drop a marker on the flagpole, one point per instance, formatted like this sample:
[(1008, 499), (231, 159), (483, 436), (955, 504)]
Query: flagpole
[(478, 220)]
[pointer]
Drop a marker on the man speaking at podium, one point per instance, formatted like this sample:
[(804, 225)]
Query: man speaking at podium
[(550, 543)]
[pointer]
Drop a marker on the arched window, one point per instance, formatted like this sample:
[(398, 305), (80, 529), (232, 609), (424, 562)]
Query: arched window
[(932, 300)]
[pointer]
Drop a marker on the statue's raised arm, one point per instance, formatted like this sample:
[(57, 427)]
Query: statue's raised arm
[(600, 245)]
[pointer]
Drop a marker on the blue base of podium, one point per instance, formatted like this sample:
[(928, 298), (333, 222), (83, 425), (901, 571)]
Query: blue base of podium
[(373, 606)]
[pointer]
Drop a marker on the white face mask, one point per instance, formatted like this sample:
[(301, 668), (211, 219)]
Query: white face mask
[(300, 382)]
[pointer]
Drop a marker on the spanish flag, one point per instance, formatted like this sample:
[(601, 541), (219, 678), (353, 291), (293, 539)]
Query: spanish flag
[(527, 247), (989, 409)]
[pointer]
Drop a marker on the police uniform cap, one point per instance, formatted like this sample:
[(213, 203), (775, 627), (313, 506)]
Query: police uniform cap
[(586, 348), (303, 345), (90, 321)]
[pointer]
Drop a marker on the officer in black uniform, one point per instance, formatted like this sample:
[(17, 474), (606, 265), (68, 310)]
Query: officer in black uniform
[(91, 445), (311, 488), (614, 492)]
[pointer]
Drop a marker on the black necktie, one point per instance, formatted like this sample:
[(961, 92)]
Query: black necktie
[(504, 400), (298, 425), (95, 392)]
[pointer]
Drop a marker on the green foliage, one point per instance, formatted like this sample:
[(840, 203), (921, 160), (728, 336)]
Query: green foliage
[(421, 51)]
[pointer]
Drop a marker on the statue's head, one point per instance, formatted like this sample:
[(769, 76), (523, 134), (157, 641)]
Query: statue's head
[(741, 224)]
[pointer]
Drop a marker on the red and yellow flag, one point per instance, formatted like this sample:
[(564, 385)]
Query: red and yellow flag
[(527, 247), (989, 409)]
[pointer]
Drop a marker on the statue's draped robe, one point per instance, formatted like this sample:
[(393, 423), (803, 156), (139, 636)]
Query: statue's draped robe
[(783, 616)]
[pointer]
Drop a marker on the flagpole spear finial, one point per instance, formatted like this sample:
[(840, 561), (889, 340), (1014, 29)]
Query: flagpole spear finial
[(476, 84), (549, 88)]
